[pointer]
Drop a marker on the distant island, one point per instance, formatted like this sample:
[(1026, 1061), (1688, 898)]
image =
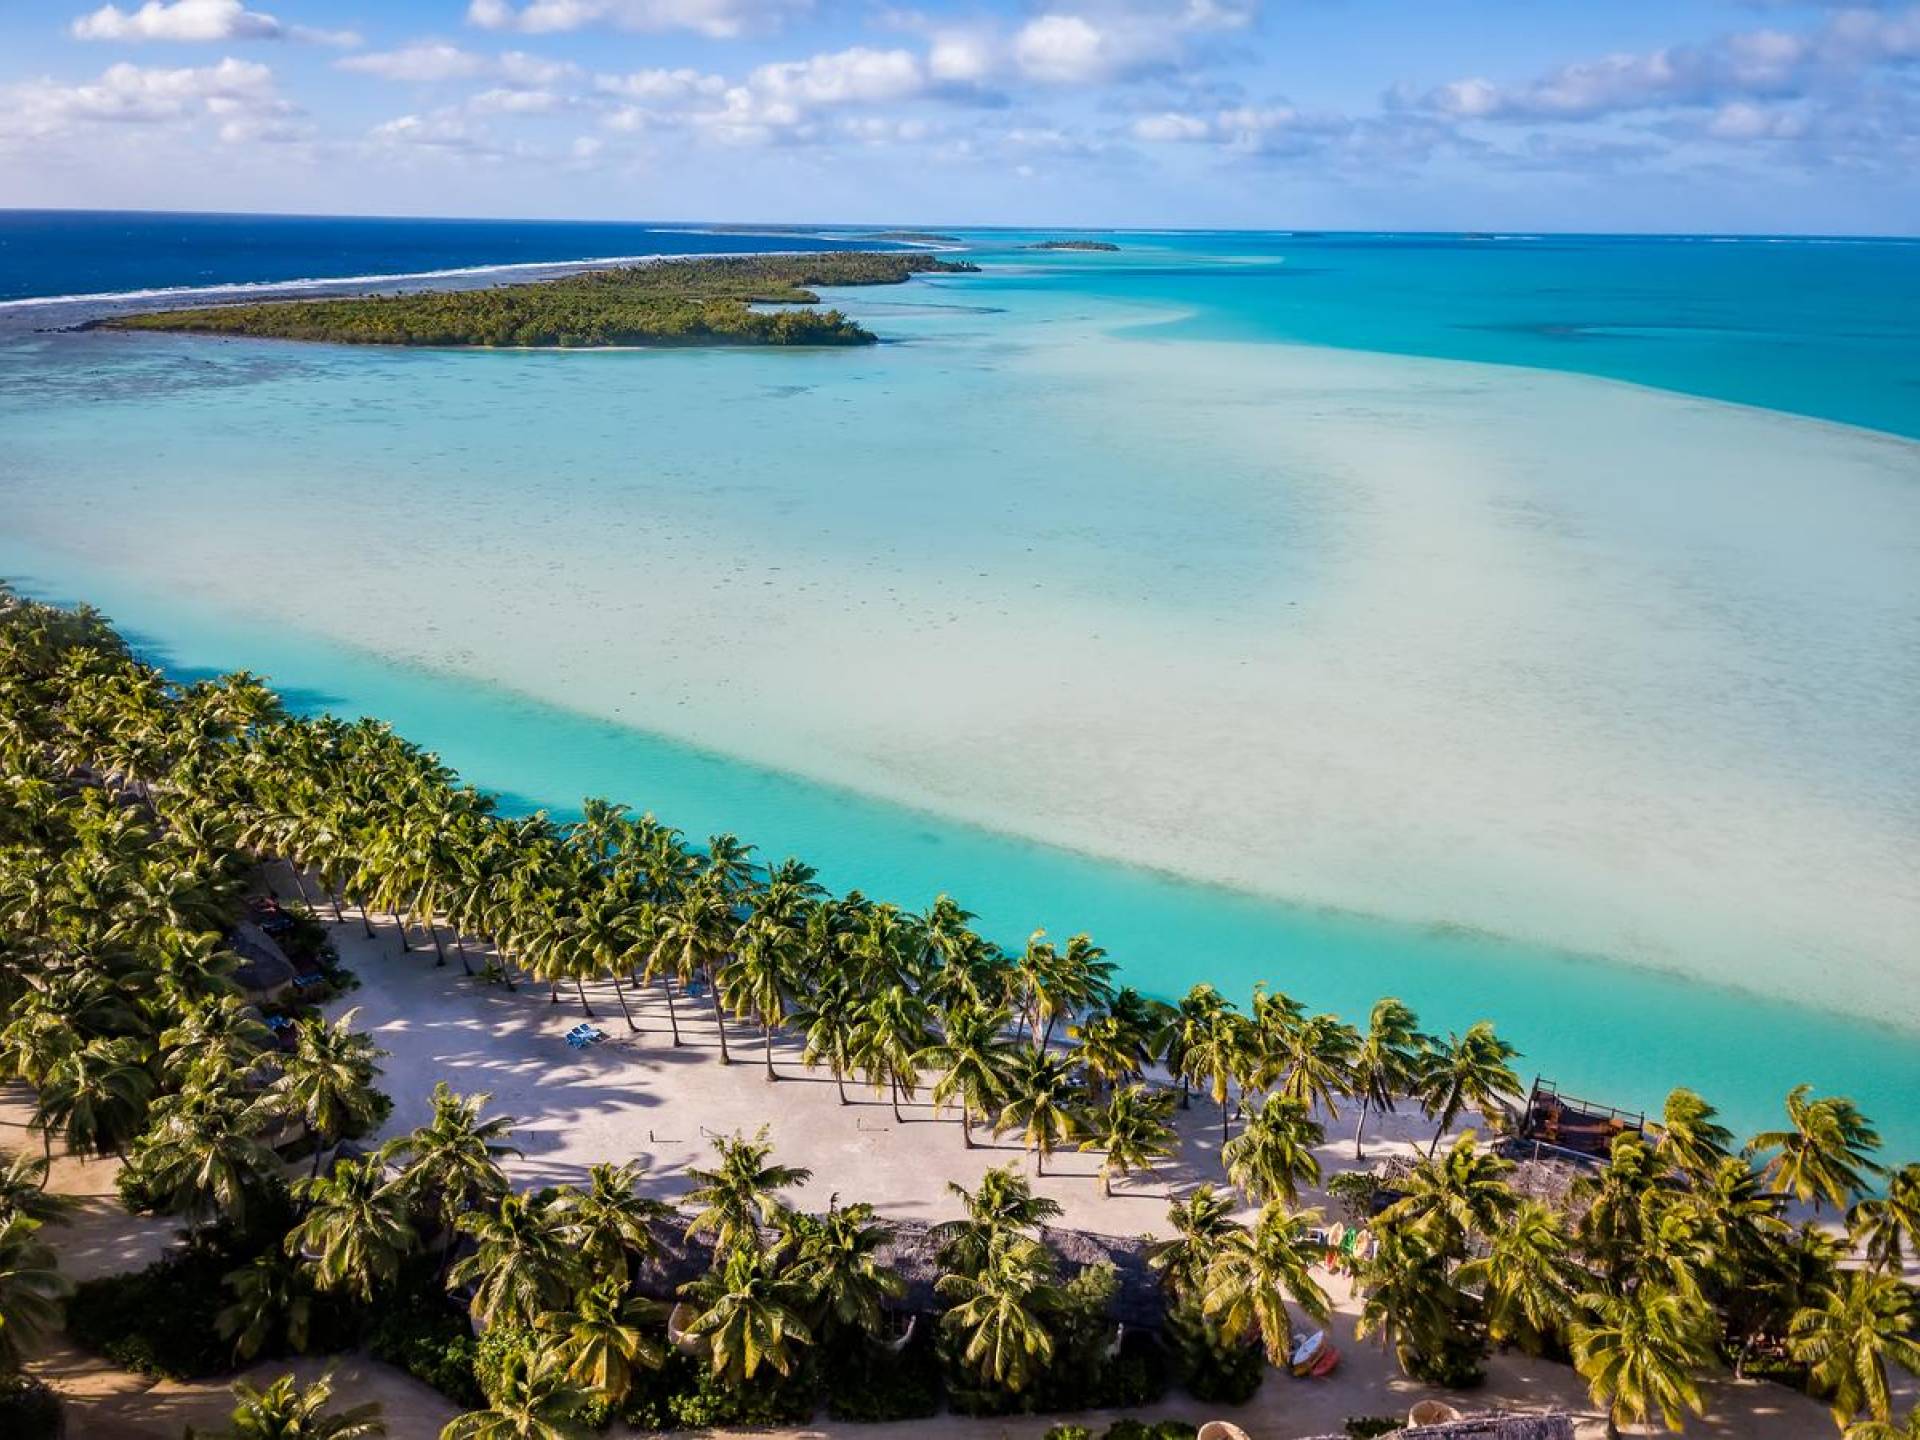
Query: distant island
[(1074, 245), (917, 237), (704, 301)]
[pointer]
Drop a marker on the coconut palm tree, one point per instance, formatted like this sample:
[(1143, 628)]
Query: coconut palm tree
[(836, 1260), (829, 1019), (1272, 1156), (974, 1055), (1692, 1142), (1887, 1226), (326, 1081), (1528, 1279), (286, 1410), (453, 1161), (690, 937), (750, 1314), (96, 1097), (1411, 1301), (1215, 1053), (522, 1265), (535, 1399), (1003, 1205), (760, 980), (997, 1313), (742, 1192), (1859, 1324), (202, 1156), (1909, 1429), (1133, 1130), (1386, 1064), (1258, 1270), (608, 1337), (1825, 1155), (1449, 1201), (23, 1190), (1042, 1104), (1641, 1353), (354, 1233), (1466, 1070), (270, 1298), (1317, 1058), (1201, 1224), (1181, 1027), (892, 1036), (32, 1290), (610, 1222)]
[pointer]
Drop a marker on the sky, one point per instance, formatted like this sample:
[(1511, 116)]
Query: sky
[(1781, 116)]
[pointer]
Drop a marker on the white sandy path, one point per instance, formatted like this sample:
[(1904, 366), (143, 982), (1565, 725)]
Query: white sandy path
[(576, 1109)]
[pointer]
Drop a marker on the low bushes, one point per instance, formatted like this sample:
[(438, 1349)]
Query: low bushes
[(29, 1410)]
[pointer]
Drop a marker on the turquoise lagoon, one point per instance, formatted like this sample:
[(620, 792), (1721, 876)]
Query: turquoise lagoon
[(1172, 595)]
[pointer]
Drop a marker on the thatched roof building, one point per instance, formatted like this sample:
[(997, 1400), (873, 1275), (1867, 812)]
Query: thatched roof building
[(1492, 1427), (264, 971)]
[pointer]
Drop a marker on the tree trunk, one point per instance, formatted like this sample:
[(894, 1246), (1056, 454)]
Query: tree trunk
[(966, 1125), (1186, 1093), (406, 945), (433, 932), (460, 947), (1039, 1161), (719, 1021), (553, 992), (581, 989), (893, 1088), (299, 885), (1223, 1121), (673, 1015), (1359, 1130), (840, 1083), (333, 899), (1106, 1182), (766, 1031), (366, 922), (620, 992)]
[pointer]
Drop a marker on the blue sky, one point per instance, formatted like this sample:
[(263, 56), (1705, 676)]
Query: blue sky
[(1751, 115)]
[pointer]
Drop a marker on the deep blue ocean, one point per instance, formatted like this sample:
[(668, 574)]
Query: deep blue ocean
[(104, 252)]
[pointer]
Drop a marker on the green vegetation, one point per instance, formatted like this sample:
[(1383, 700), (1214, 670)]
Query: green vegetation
[(1100, 245), (134, 814), (672, 302)]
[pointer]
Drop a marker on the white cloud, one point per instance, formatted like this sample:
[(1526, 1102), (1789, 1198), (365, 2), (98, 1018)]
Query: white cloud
[(515, 102), (423, 64), (1063, 50), (855, 76), (962, 57), (239, 94), (663, 87), (1171, 126), (440, 130), (197, 21), (719, 19)]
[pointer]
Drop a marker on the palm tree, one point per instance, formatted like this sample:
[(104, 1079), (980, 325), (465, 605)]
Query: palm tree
[(759, 981), (608, 1337), (1409, 1299), (1043, 1103), (31, 1292), (522, 1265), (1469, 1069), (1825, 1155), (453, 1161), (287, 1411), (1886, 1225), (1387, 1064), (1004, 1205), (1447, 1202), (96, 1096), (1528, 1279), (1318, 1055), (354, 1233), (1858, 1324), (836, 1261), (326, 1081), (1134, 1132), (1640, 1354), (609, 1222), (750, 1314), (536, 1399), (1909, 1429), (1215, 1053), (693, 938), (997, 1314), (202, 1156), (1257, 1271), (1692, 1141), (1201, 1224), (23, 1190), (893, 1034), (1272, 1156), (1182, 1027), (974, 1055), (829, 1019), (741, 1193), (270, 1297)]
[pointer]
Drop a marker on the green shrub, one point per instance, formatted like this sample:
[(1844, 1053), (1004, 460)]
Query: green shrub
[(158, 1321), (683, 1394), (1137, 1376), (866, 1384), (1209, 1368), (1366, 1427), (1067, 1432), (427, 1337), (29, 1410), (498, 1349), (1129, 1429), (1355, 1191)]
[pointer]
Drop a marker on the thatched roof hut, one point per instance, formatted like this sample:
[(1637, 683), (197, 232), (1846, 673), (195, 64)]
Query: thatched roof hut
[(1492, 1427), (264, 971)]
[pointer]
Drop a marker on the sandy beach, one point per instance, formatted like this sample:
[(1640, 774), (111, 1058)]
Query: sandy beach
[(637, 1098)]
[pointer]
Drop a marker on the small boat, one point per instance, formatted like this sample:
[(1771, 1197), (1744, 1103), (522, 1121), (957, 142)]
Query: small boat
[(678, 1319), (1221, 1430), (1432, 1412), (1307, 1352), (1328, 1362)]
